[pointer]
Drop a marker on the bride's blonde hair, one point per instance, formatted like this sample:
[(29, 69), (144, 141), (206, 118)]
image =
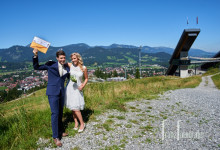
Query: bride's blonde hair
[(78, 56)]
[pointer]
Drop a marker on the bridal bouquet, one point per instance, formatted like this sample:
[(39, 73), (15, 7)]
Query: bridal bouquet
[(73, 78)]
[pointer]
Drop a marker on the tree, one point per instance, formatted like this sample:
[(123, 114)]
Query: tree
[(3, 95), (137, 74), (109, 75), (13, 94), (99, 74), (128, 76), (115, 74)]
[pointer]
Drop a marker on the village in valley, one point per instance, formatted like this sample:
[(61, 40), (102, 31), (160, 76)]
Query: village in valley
[(27, 80)]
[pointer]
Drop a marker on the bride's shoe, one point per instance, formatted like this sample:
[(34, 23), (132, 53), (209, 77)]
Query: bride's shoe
[(75, 128), (81, 130)]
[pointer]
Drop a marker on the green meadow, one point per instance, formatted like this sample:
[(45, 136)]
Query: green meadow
[(3, 88), (216, 80), (216, 75), (24, 121), (211, 71)]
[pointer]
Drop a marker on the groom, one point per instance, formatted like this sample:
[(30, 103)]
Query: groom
[(57, 73)]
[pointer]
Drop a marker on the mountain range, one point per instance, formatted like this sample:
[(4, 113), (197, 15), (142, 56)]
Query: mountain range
[(148, 49), (115, 54)]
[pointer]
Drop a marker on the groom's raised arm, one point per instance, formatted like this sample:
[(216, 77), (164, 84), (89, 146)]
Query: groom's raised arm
[(35, 62)]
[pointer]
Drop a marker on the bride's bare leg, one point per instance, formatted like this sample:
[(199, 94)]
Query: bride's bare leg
[(75, 120), (79, 116)]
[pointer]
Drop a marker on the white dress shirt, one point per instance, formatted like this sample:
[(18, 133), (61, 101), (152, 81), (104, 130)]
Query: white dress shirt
[(62, 70)]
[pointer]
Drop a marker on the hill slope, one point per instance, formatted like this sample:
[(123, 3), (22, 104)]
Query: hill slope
[(101, 55), (24, 121)]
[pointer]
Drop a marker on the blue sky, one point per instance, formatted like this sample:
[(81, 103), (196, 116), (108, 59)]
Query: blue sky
[(103, 22)]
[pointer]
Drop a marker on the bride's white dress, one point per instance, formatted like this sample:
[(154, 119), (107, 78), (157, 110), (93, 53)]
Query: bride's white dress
[(74, 99)]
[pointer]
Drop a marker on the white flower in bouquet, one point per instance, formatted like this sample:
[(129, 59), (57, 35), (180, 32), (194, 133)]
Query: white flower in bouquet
[(73, 78)]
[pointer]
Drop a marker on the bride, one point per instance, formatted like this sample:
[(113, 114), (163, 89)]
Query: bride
[(74, 99)]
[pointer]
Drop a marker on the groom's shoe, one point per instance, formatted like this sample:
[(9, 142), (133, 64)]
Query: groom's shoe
[(57, 142), (64, 134)]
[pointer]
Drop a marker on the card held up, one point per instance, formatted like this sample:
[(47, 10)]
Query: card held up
[(40, 44)]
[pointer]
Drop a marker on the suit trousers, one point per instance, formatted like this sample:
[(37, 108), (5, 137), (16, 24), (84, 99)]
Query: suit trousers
[(56, 105)]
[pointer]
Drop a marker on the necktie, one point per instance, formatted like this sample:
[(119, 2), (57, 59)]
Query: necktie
[(61, 70)]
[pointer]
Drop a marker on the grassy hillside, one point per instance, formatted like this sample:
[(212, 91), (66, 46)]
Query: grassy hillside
[(3, 88), (216, 77), (216, 80), (211, 71), (122, 56), (24, 121)]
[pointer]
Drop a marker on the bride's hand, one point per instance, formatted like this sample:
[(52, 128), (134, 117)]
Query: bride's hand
[(80, 87)]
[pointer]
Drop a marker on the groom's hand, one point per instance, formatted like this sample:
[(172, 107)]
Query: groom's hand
[(35, 51), (68, 75)]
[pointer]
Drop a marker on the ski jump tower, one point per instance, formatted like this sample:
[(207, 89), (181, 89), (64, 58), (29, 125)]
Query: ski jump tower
[(180, 55)]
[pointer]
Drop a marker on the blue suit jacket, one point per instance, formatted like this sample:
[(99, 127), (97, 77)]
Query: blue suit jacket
[(55, 84)]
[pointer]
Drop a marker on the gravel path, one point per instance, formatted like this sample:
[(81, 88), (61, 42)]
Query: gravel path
[(179, 119)]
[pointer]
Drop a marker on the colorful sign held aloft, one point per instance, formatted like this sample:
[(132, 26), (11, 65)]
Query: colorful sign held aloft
[(40, 44)]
